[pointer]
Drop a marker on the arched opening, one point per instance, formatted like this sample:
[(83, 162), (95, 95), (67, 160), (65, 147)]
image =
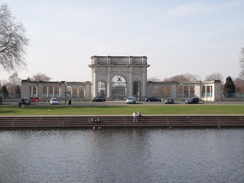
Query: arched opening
[(101, 89), (118, 88), (137, 89)]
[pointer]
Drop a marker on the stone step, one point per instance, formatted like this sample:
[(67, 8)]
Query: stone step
[(85, 121)]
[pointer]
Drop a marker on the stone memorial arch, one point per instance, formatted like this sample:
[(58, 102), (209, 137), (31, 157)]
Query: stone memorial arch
[(118, 77)]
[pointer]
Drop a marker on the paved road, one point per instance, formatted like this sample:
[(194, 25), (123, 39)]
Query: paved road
[(123, 103)]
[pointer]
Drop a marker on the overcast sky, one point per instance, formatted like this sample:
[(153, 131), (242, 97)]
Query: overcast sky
[(178, 37)]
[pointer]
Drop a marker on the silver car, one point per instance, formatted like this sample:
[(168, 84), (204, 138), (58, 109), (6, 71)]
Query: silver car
[(53, 101), (130, 100)]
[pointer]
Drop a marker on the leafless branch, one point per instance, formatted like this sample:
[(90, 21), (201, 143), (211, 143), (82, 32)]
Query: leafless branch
[(12, 41)]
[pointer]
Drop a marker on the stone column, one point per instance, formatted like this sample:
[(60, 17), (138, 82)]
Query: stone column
[(206, 92), (37, 91), (31, 91), (53, 91), (183, 92), (130, 87), (144, 83), (198, 90), (40, 91), (59, 91), (63, 89), (47, 91), (84, 91), (109, 88), (174, 90), (95, 83)]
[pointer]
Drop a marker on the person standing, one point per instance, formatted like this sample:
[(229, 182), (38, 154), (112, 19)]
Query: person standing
[(134, 117), (139, 114)]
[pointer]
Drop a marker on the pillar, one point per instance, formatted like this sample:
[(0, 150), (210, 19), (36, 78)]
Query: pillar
[(109, 87), (130, 86), (174, 90), (206, 92), (95, 83), (31, 92), (144, 83), (53, 91), (47, 91), (183, 92)]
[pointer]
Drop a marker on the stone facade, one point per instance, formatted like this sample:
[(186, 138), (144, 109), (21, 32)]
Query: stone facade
[(119, 75), (116, 78), (207, 90), (45, 90)]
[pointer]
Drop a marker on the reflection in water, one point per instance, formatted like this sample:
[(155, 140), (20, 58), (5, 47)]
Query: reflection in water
[(122, 155)]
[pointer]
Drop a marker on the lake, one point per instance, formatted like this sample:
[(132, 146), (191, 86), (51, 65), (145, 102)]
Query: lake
[(129, 155)]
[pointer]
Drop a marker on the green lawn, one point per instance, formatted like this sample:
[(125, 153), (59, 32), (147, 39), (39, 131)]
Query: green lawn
[(122, 110)]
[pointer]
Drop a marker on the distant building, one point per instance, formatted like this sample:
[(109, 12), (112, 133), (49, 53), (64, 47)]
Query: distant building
[(116, 78)]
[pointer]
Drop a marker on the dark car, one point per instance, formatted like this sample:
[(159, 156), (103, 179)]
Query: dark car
[(24, 101), (193, 100), (169, 100), (153, 99), (98, 99)]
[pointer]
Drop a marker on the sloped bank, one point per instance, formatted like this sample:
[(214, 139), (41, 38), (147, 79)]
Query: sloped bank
[(122, 121)]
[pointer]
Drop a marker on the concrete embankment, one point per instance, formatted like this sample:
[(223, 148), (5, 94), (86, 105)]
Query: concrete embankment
[(122, 121)]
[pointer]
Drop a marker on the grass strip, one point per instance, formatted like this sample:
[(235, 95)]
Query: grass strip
[(122, 110)]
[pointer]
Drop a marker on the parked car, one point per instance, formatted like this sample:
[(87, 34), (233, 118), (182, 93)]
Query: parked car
[(34, 99), (169, 100), (24, 101), (153, 99), (53, 101), (98, 99), (193, 100), (130, 100)]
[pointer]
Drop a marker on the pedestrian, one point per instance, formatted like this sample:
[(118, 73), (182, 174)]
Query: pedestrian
[(134, 117), (93, 120), (98, 120), (139, 114)]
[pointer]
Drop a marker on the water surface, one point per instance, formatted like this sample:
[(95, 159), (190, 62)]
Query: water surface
[(122, 155)]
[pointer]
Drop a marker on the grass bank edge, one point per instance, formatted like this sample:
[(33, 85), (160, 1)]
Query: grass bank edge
[(124, 110)]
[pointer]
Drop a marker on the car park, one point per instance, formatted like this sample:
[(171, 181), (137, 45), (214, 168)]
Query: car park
[(169, 100), (130, 100), (98, 99), (192, 100), (153, 99), (53, 101)]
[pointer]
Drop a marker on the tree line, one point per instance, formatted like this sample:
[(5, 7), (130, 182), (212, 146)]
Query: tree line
[(12, 87)]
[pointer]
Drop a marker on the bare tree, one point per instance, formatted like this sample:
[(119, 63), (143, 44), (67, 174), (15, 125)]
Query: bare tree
[(155, 79), (14, 79), (12, 41), (179, 78), (184, 78), (192, 77), (239, 83), (40, 77), (241, 75), (13, 83), (214, 76)]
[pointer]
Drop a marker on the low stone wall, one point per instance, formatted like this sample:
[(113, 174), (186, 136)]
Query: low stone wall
[(122, 121)]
